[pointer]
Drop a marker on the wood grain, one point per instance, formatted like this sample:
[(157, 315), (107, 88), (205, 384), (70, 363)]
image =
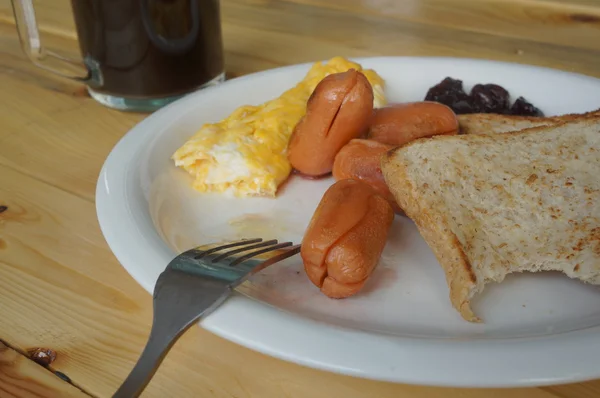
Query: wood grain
[(572, 25), (590, 3), (274, 35), (21, 377), (72, 157), (60, 286)]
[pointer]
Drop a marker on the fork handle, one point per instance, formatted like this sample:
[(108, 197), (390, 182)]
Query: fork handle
[(174, 313), (154, 352), (168, 325)]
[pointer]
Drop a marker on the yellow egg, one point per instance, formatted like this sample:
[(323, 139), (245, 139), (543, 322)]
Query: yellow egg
[(246, 153)]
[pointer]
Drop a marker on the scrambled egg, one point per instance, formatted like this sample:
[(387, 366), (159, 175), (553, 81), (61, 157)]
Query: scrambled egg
[(246, 153)]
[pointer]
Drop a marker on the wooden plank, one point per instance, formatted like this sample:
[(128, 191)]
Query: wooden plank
[(555, 23), (369, 34), (20, 377), (272, 37), (84, 131), (54, 17), (580, 390), (574, 23), (61, 291), (588, 3)]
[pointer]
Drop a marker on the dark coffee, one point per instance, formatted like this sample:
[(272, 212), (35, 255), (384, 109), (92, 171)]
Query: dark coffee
[(150, 48)]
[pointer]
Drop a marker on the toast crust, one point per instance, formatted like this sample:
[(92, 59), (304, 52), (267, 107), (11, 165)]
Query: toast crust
[(436, 231), (491, 123)]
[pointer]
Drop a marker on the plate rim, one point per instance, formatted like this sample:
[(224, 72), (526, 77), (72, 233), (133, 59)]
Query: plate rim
[(422, 361)]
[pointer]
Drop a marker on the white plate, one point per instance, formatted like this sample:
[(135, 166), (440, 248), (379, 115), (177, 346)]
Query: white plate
[(539, 329)]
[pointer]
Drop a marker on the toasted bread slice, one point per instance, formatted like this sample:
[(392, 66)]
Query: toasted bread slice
[(490, 205), (490, 123)]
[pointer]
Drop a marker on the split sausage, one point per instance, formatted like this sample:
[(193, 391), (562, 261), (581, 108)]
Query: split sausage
[(338, 110), (345, 238)]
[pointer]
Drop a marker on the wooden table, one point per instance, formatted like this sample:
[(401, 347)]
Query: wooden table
[(60, 286)]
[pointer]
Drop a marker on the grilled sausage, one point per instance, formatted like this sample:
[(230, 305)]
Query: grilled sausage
[(361, 159), (399, 124), (345, 238), (337, 111)]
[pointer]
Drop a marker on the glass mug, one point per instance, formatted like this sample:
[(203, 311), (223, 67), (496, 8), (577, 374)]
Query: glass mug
[(137, 54)]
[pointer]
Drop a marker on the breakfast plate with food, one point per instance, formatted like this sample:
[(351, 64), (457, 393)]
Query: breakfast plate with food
[(448, 211)]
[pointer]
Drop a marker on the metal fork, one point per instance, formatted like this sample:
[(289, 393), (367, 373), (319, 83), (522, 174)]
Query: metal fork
[(194, 284)]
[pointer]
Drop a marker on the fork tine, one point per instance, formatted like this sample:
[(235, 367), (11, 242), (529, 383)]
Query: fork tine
[(289, 251), (224, 246), (257, 252), (243, 249)]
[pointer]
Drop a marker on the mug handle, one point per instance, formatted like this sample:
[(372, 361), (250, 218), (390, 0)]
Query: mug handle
[(172, 46), (29, 36)]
